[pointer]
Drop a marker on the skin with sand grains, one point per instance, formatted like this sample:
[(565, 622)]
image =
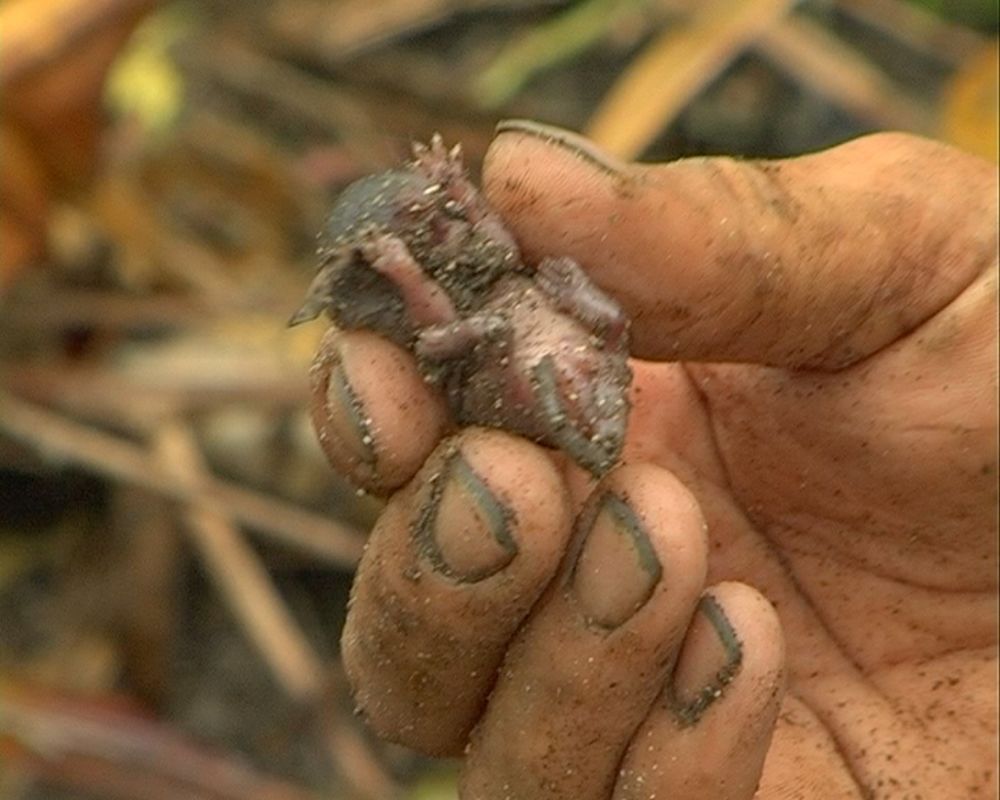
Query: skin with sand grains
[(788, 589)]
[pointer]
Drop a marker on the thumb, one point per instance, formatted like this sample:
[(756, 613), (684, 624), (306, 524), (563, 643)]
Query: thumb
[(815, 261)]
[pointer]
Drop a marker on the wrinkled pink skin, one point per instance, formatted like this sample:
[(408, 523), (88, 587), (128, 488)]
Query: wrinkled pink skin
[(417, 255)]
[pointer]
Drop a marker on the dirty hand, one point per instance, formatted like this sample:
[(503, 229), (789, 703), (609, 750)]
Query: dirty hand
[(814, 423)]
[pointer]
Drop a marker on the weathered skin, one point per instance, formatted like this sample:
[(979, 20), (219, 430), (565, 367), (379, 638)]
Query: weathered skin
[(417, 255)]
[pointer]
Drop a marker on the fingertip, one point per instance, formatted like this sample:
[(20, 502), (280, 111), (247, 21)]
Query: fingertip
[(543, 180), (738, 628), (561, 142), (376, 417), (454, 564), (585, 668), (720, 706), (670, 512)]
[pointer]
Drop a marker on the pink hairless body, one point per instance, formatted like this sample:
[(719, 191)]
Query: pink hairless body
[(417, 255)]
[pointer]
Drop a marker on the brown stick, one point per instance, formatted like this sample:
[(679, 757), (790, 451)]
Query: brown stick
[(321, 104), (62, 439), (356, 761), (673, 68), (238, 572), (103, 396), (262, 613), (817, 58), (922, 30), (52, 307)]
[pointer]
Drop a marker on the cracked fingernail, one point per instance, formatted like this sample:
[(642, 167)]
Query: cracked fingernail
[(617, 569), (710, 659), (463, 529), (579, 146)]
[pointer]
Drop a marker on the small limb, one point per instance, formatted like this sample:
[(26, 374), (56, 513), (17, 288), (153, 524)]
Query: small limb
[(425, 301), (562, 431), (571, 290), (455, 339)]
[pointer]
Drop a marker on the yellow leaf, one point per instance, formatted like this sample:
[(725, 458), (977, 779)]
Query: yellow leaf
[(674, 68), (970, 109), (144, 83)]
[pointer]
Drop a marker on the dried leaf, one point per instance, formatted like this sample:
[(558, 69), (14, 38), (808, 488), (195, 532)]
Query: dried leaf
[(52, 66), (144, 84), (980, 14), (24, 203), (924, 32), (674, 68), (347, 28), (969, 110), (55, 57), (820, 60)]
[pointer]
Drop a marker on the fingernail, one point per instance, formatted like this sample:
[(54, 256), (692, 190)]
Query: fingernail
[(710, 659), (463, 530), (617, 569), (344, 419), (579, 146)]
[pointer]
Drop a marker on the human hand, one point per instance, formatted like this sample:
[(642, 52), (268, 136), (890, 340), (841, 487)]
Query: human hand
[(814, 417)]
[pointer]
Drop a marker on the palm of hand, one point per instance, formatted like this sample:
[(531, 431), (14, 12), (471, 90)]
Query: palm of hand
[(858, 502)]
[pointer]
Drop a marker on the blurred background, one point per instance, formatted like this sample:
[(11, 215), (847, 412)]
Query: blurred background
[(175, 556)]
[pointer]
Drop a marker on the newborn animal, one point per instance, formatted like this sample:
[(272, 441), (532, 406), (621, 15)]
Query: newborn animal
[(417, 255)]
